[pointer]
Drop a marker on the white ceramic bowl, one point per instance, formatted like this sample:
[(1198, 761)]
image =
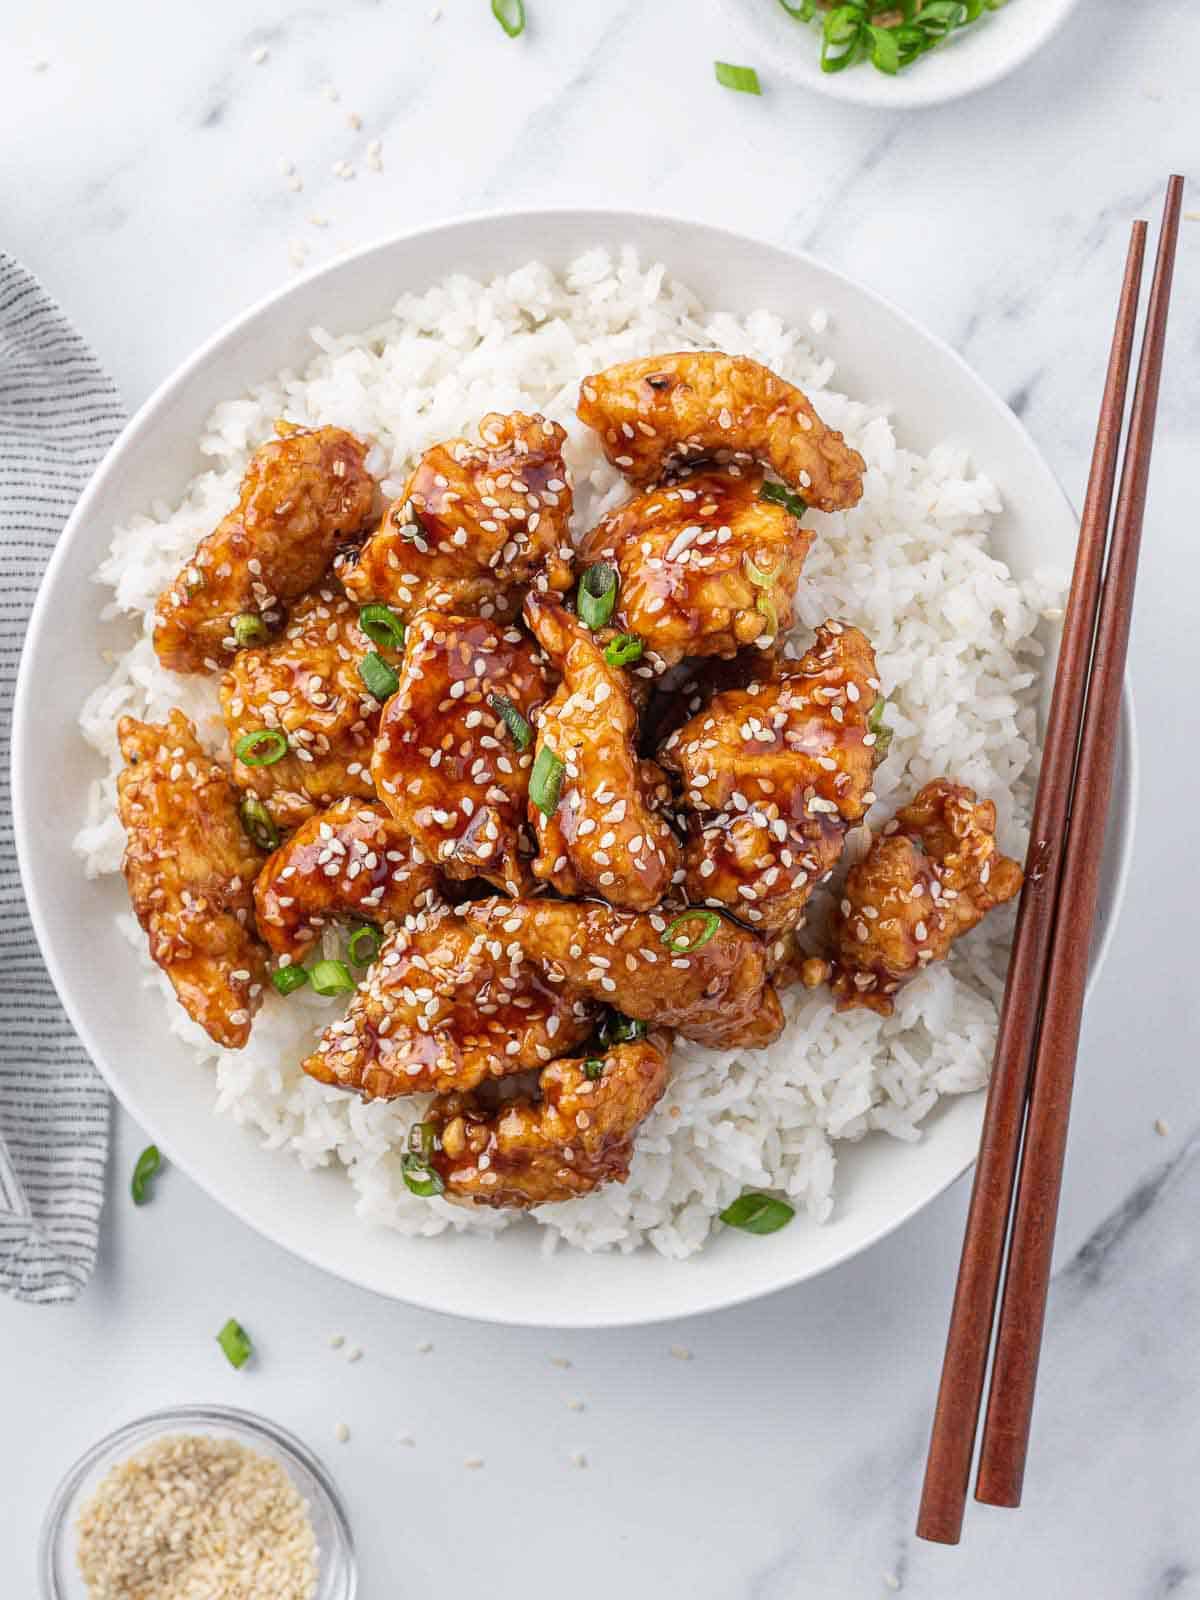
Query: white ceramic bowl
[(882, 356), (981, 55)]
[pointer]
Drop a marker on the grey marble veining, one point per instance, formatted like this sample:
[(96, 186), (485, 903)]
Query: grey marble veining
[(141, 169)]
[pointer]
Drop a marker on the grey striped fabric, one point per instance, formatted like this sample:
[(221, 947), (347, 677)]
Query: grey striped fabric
[(58, 414)]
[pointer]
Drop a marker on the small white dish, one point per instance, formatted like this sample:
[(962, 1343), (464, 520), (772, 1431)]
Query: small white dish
[(882, 356), (981, 55)]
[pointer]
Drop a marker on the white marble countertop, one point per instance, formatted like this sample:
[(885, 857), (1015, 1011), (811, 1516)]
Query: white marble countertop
[(140, 161)]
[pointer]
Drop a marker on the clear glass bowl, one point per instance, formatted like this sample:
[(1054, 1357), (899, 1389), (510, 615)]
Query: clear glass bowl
[(57, 1566)]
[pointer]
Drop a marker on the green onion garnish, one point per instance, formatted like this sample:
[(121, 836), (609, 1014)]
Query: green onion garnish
[(262, 748), (877, 726), (597, 595), (235, 1342), (624, 650), (382, 626), (331, 977), (519, 730), (617, 1028), (422, 1140), (743, 79), (766, 606), (288, 979), (256, 820), (545, 781), (891, 34), (419, 1176), (147, 1166), (510, 14), (780, 495), (593, 1068), (248, 628), (761, 577), (800, 10), (709, 921), (378, 676), (364, 946), (758, 1213)]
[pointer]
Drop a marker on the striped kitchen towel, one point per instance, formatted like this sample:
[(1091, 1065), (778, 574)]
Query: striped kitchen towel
[(59, 412)]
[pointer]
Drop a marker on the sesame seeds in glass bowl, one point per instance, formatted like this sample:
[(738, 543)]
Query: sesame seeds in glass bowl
[(285, 1503)]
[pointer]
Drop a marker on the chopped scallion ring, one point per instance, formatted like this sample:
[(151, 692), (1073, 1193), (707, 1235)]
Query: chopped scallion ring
[(256, 820), (545, 781), (419, 1177), (593, 1068), (761, 577), (249, 628), (780, 495), (617, 1028), (422, 1139), (709, 921), (597, 596), (382, 626), (378, 676), (147, 1166), (624, 650), (364, 946), (758, 1213), (510, 14), (331, 977), (767, 607), (877, 726), (288, 979), (743, 79), (235, 1342), (519, 730), (262, 748)]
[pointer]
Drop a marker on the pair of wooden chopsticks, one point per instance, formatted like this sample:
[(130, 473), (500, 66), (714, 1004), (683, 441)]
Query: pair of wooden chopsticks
[(1034, 1068)]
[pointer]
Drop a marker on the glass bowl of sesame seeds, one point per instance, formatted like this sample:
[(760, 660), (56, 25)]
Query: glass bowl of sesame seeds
[(197, 1499)]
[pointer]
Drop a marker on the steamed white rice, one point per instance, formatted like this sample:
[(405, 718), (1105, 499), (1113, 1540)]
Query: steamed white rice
[(955, 636)]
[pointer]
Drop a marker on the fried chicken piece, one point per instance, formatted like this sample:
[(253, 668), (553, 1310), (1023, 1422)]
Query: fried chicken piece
[(303, 494), (190, 870), (665, 410), (773, 777), (606, 835), (354, 860), (475, 525), (575, 1136), (306, 684), (450, 1002), (446, 764), (929, 877), (706, 564), (718, 993)]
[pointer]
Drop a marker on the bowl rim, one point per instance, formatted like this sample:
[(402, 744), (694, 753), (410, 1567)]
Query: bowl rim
[(157, 1424), (24, 713)]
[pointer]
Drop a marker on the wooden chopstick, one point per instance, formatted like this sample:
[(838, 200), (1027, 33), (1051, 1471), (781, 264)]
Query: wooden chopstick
[(952, 1442), (1023, 1307)]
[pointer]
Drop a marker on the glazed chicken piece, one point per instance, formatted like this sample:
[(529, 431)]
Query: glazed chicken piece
[(305, 685), (190, 870), (707, 563), (450, 1003), (606, 834), (303, 494), (354, 860), (709, 983), (447, 764), (773, 777), (475, 525), (664, 411), (931, 875), (577, 1134)]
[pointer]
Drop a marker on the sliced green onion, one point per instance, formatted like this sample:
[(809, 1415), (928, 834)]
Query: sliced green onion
[(146, 1167), (519, 730), (624, 650), (262, 748), (617, 1028), (382, 626), (378, 676), (256, 820), (800, 10), (761, 577), (709, 921), (249, 628), (545, 781), (743, 79), (331, 977), (593, 1068), (364, 946), (780, 495), (288, 979), (766, 606), (597, 595), (758, 1213), (420, 1177), (422, 1140), (510, 14), (235, 1342), (877, 726)]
